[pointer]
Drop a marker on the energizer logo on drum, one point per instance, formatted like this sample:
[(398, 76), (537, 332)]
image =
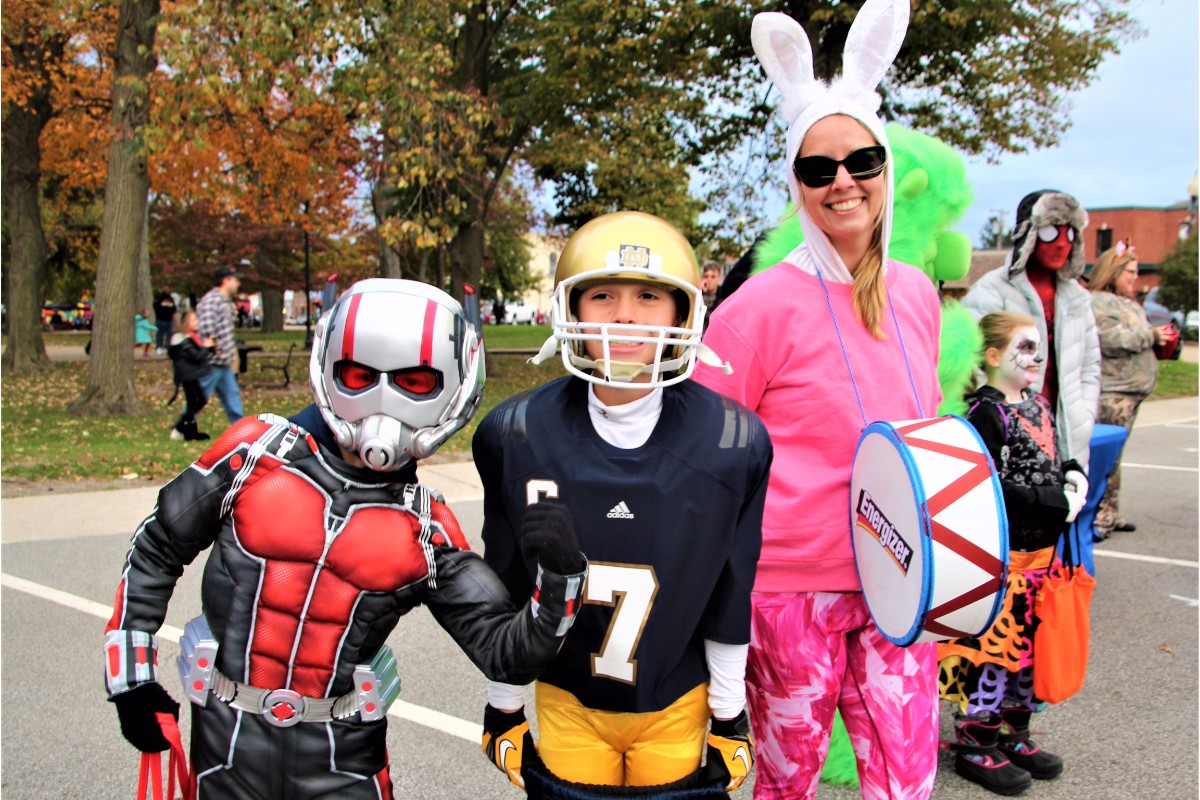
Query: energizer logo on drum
[(872, 520)]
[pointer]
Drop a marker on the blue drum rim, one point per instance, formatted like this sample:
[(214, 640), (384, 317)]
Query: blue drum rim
[(888, 431)]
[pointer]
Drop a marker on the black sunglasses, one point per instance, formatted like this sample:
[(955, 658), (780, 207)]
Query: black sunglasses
[(817, 171)]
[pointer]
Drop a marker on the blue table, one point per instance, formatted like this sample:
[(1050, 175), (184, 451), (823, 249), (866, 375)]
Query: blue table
[(1107, 441)]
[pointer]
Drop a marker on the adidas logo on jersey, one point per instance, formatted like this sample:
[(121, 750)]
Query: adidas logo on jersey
[(620, 511)]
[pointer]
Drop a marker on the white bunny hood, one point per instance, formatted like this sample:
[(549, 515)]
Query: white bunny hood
[(783, 48)]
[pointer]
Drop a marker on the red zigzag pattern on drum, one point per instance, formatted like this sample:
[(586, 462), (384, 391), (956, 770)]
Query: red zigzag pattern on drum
[(980, 472)]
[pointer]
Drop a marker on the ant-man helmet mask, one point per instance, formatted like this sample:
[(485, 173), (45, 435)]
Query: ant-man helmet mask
[(396, 369)]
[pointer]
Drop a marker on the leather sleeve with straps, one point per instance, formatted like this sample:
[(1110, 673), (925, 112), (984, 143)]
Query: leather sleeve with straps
[(506, 643)]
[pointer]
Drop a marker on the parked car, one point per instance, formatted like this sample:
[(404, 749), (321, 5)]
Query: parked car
[(1158, 314), (1191, 325), (520, 313)]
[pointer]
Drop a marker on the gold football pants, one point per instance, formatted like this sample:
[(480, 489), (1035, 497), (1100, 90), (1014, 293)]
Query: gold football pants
[(613, 748)]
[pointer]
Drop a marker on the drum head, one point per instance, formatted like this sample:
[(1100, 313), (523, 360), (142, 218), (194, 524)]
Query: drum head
[(928, 529), (890, 532)]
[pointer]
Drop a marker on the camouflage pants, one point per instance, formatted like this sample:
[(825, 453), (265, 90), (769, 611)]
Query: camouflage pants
[(1116, 408)]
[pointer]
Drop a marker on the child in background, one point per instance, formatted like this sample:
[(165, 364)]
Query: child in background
[(991, 678), (190, 356), (144, 331)]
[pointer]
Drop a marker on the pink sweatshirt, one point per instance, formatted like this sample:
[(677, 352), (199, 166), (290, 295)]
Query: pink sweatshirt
[(776, 332)]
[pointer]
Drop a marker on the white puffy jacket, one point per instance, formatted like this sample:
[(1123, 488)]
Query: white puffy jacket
[(1077, 348)]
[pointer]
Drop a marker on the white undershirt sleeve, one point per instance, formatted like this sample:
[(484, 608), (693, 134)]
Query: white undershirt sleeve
[(506, 696), (727, 678)]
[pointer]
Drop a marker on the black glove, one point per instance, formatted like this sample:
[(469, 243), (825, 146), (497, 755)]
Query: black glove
[(730, 751), (505, 740), (549, 537), (136, 709)]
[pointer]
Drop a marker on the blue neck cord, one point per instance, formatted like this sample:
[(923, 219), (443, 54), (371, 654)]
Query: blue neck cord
[(903, 351)]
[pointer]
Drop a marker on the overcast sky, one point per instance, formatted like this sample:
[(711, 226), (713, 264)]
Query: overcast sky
[(1135, 133)]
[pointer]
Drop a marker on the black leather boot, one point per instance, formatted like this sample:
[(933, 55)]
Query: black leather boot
[(1015, 743), (977, 757)]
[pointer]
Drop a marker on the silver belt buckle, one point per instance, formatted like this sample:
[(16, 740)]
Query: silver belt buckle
[(284, 708)]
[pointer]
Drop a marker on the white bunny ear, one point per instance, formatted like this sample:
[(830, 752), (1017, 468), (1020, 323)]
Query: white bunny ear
[(873, 42), (783, 48)]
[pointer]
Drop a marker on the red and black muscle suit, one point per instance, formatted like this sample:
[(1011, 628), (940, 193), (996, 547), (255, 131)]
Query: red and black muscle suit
[(312, 564)]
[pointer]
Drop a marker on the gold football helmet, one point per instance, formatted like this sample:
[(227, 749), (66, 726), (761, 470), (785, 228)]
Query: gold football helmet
[(628, 246)]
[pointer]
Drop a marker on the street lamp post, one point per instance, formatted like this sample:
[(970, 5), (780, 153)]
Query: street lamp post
[(1193, 191)]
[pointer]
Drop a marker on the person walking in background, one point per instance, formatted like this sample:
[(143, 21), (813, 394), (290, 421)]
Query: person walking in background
[(1041, 280), (1128, 365), (990, 677), (710, 282), (143, 332), (190, 357), (164, 317), (217, 313), (825, 342)]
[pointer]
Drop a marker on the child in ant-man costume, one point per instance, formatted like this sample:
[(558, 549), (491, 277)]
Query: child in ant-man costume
[(317, 553)]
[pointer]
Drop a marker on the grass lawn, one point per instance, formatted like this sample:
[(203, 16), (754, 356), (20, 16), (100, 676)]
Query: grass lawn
[(1176, 379), (39, 441)]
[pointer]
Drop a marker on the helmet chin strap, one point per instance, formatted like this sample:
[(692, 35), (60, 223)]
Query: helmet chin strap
[(618, 371)]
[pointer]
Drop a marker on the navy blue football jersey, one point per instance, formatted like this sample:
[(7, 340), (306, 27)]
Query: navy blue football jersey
[(671, 530)]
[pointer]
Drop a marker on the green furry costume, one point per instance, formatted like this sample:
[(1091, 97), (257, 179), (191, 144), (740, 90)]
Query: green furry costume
[(932, 193)]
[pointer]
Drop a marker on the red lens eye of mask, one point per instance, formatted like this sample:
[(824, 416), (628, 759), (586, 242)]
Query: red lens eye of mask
[(416, 381), (355, 376)]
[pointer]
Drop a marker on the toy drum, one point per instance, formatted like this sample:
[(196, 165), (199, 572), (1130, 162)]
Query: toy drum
[(929, 531)]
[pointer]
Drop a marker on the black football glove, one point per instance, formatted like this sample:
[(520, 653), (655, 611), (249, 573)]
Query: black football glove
[(505, 740), (730, 751), (136, 709), (548, 536)]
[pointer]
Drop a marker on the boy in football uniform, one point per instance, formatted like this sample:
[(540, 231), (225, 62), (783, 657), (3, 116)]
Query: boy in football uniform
[(665, 482)]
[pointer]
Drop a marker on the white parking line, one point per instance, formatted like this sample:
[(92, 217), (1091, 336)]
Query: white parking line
[(1174, 562), (1161, 466), (438, 721)]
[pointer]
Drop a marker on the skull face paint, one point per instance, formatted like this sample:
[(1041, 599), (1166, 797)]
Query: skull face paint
[(1021, 363)]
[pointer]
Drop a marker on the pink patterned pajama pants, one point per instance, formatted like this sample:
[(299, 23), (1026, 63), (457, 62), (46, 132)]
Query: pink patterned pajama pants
[(814, 653)]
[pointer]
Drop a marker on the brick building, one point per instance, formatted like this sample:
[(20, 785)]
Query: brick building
[(1153, 232)]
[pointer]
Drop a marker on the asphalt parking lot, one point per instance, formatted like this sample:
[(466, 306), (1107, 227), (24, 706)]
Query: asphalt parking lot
[(1131, 732)]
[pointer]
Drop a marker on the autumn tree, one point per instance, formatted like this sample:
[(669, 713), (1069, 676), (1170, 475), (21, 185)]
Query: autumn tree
[(53, 132), (110, 388), (30, 51), (245, 128)]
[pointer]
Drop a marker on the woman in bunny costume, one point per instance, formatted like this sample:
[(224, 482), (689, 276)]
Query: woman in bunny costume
[(842, 323)]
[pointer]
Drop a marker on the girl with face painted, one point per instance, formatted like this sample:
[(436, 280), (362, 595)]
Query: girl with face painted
[(991, 677)]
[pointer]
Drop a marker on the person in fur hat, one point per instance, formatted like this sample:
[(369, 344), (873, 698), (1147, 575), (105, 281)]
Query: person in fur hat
[(1041, 279)]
